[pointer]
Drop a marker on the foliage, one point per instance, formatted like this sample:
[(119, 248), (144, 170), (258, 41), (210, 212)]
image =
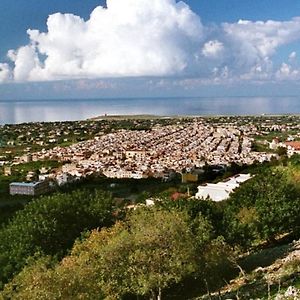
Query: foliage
[(164, 249), (263, 207), (7, 211), (50, 225), (210, 210), (42, 280), (152, 249)]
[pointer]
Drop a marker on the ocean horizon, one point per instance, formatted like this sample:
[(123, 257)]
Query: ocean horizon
[(24, 111)]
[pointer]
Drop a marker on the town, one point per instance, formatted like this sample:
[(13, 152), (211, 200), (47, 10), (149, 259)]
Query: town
[(141, 148)]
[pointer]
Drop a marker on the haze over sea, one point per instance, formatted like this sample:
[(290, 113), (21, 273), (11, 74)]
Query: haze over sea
[(18, 111)]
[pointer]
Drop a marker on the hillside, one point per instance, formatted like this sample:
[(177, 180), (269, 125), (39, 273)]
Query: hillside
[(270, 274)]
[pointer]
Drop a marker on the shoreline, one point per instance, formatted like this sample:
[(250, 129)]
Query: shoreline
[(116, 117), (113, 117)]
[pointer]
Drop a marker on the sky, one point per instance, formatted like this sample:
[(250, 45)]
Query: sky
[(141, 48)]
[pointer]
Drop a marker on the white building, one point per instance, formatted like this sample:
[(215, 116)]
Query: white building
[(221, 190), (29, 188)]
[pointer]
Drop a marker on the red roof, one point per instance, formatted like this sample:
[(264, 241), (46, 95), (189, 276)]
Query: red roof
[(295, 145)]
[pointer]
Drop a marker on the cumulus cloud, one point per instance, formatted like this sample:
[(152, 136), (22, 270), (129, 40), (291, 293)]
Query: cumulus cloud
[(293, 55), (128, 38), (263, 38), (244, 50), (287, 72), (26, 63), (158, 38)]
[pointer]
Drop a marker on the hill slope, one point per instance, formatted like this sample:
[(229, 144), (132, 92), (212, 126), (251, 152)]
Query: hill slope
[(278, 280)]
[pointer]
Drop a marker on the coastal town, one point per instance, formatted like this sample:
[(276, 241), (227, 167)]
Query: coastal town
[(158, 152), (156, 149)]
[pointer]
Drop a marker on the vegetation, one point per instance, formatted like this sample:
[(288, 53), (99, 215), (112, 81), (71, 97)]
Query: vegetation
[(78, 244), (263, 208), (152, 249), (50, 225)]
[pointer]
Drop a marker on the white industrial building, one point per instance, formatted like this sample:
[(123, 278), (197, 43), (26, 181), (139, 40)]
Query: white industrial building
[(220, 191)]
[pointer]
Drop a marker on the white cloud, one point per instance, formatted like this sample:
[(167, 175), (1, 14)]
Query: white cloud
[(285, 69), (293, 55), (212, 48), (26, 63), (263, 38), (128, 38), (158, 38), (286, 72), (251, 45), (244, 50), (4, 72)]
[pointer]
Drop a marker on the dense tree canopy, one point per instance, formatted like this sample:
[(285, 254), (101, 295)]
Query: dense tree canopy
[(263, 207), (212, 211), (50, 225), (152, 249)]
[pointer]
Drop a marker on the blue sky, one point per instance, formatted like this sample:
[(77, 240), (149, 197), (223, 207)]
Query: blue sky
[(173, 51)]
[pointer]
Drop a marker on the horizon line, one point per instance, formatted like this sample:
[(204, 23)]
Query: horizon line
[(145, 97)]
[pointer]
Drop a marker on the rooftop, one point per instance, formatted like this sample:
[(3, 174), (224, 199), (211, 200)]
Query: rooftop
[(25, 184), (221, 190)]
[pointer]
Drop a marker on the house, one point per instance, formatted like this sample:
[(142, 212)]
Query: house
[(65, 178), (136, 154), (27, 158), (31, 175), (293, 147)]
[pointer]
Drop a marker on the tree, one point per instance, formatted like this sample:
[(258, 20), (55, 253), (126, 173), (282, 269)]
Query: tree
[(278, 207), (210, 210), (164, 250), (50, 226), (151, 250), (144, 255), (263, 207), (41, 279), (282, 151)]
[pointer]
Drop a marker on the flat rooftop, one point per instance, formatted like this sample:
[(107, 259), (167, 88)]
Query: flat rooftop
[(25, 184)]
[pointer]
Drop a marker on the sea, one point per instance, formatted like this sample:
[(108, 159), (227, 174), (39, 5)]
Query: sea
[(24, 111)]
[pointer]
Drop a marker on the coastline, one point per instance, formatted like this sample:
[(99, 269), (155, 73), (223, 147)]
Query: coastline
[(158, 117)]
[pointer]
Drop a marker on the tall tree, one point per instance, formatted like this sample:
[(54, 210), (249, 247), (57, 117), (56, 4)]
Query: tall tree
[(164, 250)]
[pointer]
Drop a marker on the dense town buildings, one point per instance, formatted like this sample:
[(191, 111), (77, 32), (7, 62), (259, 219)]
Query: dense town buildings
[(157, 148), (158, 152)]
